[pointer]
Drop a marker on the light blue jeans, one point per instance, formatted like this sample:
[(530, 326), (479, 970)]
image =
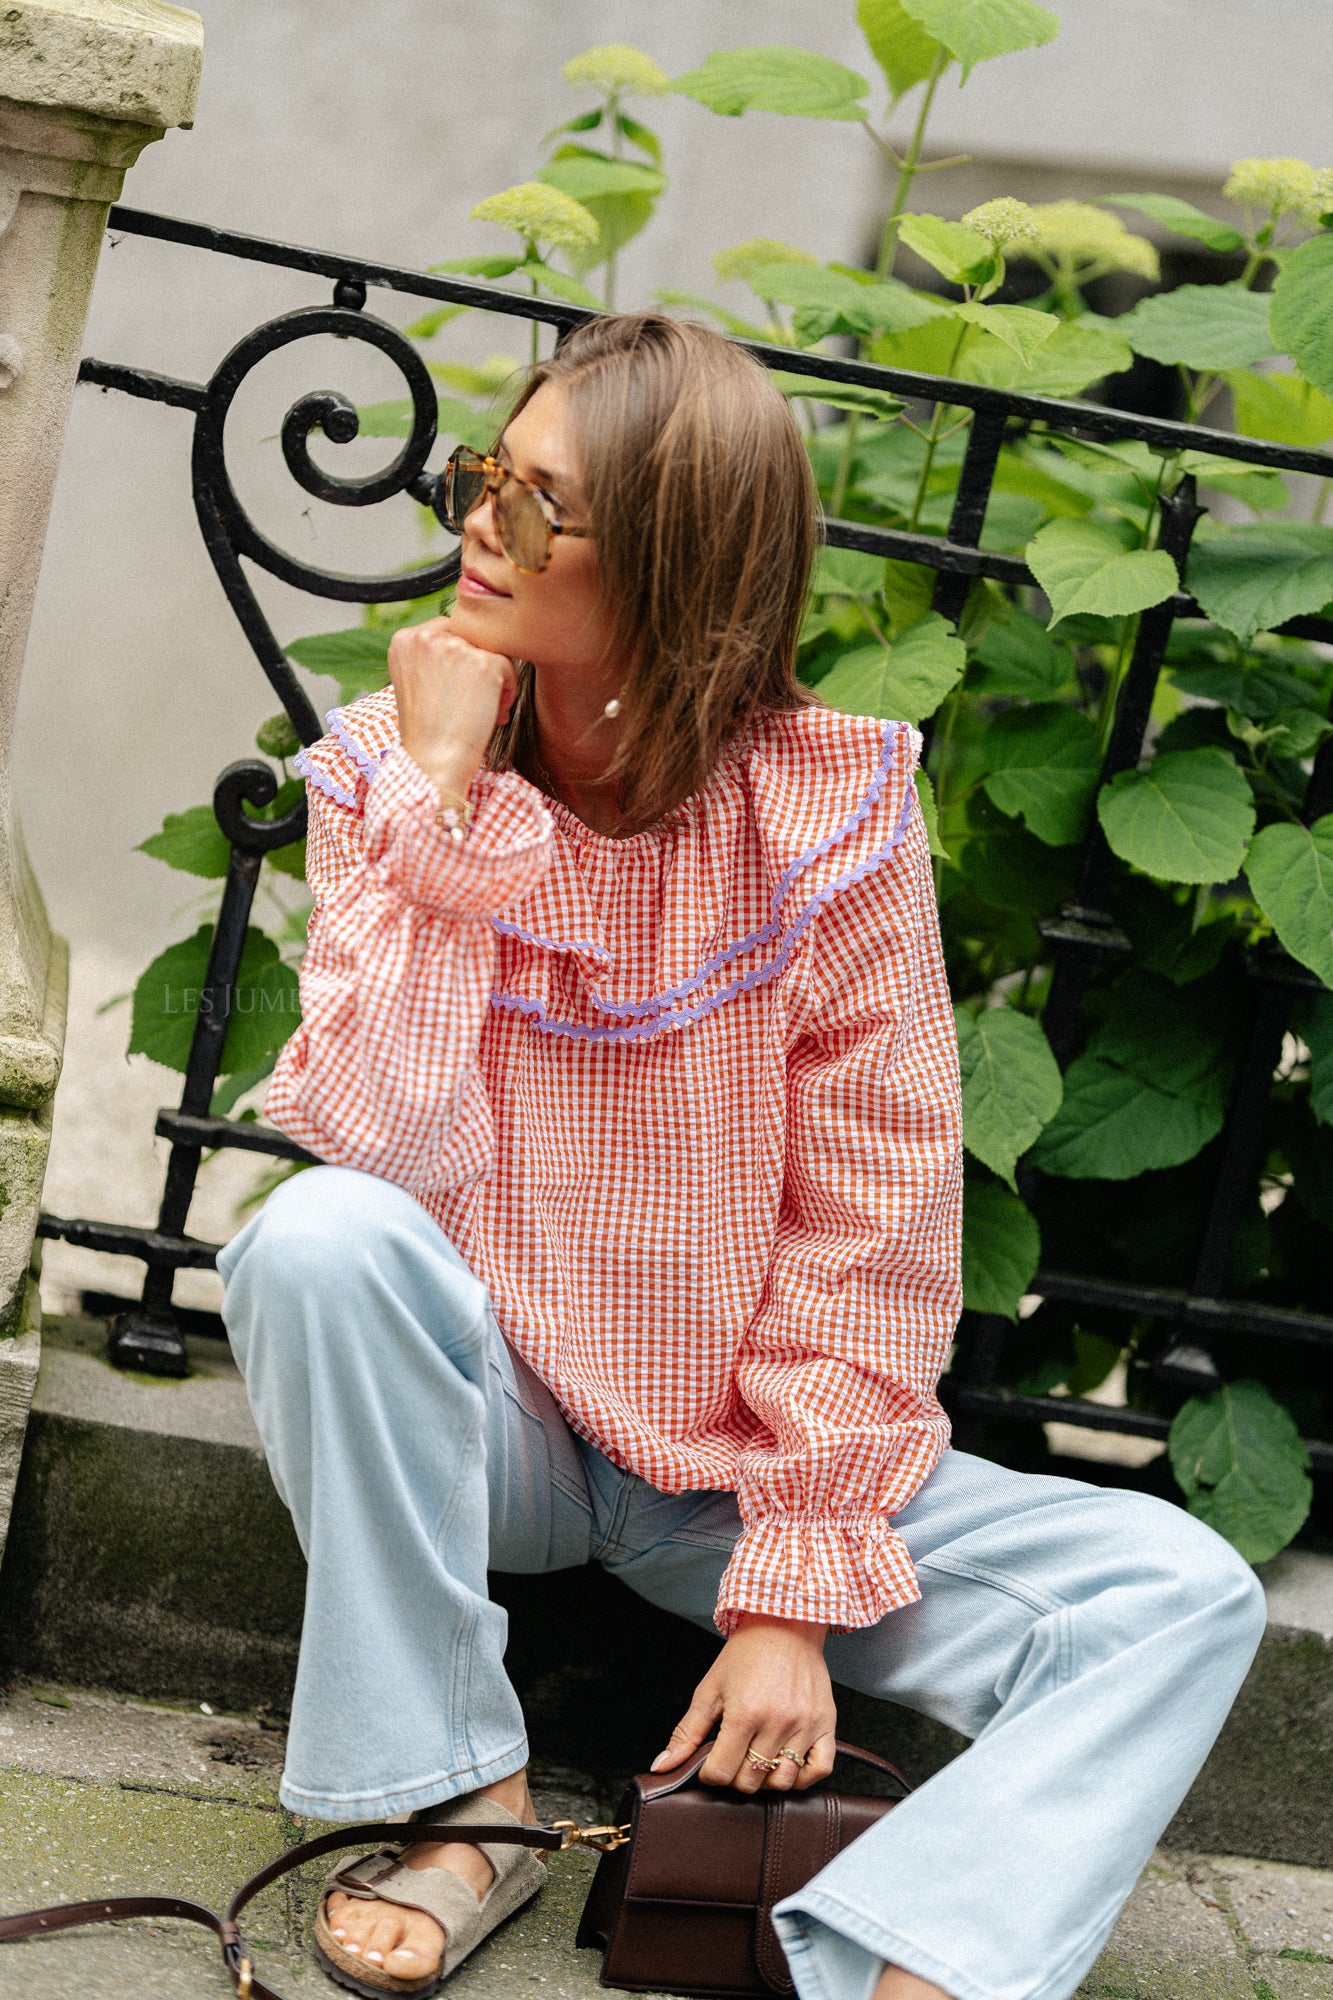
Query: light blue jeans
[(1090, 1642)]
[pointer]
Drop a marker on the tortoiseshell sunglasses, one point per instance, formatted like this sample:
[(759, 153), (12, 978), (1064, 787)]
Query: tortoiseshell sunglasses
[(525, 517)]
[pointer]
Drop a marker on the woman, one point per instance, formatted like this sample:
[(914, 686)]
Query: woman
[(627, 1039)]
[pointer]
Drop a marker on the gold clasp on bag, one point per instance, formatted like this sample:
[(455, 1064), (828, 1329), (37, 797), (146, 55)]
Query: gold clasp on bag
[(604, 1838), (244, 1980)]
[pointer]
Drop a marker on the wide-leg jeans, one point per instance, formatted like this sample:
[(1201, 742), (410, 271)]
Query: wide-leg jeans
[(1089, 1642)]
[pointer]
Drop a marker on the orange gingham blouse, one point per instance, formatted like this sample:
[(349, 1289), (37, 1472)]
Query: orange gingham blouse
[(686, 1102)]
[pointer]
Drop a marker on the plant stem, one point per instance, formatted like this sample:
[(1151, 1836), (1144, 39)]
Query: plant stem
[(888, 242), (536, 324), (933, 434), (617, 153), (1321, 500)]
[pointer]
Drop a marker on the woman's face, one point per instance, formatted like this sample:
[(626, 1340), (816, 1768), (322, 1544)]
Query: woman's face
[(555, 618)]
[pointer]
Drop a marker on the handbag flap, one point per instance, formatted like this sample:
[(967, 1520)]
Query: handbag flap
[(697, 1846)]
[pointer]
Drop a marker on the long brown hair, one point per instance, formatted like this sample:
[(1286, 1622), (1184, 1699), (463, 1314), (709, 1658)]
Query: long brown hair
[(700, 497)]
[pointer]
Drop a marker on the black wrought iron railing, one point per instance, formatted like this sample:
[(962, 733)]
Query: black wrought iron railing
[(148, 1335)]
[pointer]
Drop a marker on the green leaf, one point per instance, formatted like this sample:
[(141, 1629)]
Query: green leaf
[(1242, 1467), (1021, 329), (925, 793), (909, 590), (832, 302), (579, 171), (558, 282), (266, 1007), (1182, 218), (641, 136), (1302, 309), (847, 572), (620, 195), (1285, 408), (454, 418), (1083, 570), (901, 47), (1187, 818), (276, 737), (669, 295), (1027, 476), (1113, 1126), (1001, 1248), (585, 121), (1253, 578), (957, 253), (498, 265), (1042, 764), (1075, 356), (1201, 326), (1290, 869), (1009, 869), (1017, 656), (1011, 1085), (431, 322), (1178, 1042), (1315, 1027), (978, 30), (906, 683), (796, 82), (357, 660), (838, 395), (191, 841), (229, 1094)]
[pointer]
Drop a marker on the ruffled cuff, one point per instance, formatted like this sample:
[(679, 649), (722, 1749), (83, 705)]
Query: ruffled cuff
[(844, 1571), (507, 848)]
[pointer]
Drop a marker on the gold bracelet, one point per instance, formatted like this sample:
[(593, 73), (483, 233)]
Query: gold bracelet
[(454, 816)]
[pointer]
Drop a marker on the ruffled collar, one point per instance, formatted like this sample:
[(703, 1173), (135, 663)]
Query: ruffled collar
[(625, 938)]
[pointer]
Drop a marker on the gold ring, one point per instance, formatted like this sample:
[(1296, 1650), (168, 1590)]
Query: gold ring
[(761, 1763), (795, 1756)]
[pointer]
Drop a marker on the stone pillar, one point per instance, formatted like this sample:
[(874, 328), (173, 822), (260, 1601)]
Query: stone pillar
[(85, 85)]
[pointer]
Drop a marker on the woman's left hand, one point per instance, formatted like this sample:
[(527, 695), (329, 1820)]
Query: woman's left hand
[(771, 1691)]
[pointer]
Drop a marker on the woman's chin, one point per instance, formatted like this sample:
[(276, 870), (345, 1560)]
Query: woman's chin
[(480, 621)]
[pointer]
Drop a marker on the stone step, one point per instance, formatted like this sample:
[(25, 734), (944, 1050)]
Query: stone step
[(103, 1795), (148, 1553)]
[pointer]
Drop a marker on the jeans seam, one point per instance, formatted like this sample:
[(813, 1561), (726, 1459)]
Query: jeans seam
[(1023, 1593)]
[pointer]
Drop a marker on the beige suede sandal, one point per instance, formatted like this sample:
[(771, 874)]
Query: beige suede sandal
[(438, 1892)]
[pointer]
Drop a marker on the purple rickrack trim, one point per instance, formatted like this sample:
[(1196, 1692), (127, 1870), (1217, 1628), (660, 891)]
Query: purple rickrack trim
[(321, 780), (549, 944), (367, 764), (761, 974), (658, 1003)]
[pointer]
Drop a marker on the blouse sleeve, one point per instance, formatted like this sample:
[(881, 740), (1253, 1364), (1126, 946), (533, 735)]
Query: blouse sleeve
[(840, 1363), (382, 1073)]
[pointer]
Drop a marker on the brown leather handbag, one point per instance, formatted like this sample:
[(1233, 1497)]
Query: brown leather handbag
[(684, 1905)]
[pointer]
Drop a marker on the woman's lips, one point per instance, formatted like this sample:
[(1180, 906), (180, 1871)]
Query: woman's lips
[(473, 584)]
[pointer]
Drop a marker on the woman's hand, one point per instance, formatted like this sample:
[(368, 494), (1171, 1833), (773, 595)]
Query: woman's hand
[(772, 1691), (450, 697)]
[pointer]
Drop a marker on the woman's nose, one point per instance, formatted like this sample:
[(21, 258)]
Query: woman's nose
[(481, 523)]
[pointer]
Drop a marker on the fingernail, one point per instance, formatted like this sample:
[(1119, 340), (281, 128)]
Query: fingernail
[(355, 1950), (340, 1934), (658, 1761)]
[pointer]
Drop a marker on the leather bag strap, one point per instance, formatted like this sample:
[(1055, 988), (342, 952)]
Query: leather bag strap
[(651, 1788), (240, 1969)]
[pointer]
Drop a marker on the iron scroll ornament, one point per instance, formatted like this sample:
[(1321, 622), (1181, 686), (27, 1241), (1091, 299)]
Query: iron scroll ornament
[(228, 531)]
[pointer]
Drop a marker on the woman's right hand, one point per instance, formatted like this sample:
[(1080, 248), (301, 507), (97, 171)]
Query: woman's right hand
[(450, 697)]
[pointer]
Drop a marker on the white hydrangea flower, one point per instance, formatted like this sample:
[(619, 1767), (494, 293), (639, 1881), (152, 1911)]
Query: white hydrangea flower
[(1088, 235), (1275, 185), (617, 67), (1003, 220), (540, 214), (742, 258)]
